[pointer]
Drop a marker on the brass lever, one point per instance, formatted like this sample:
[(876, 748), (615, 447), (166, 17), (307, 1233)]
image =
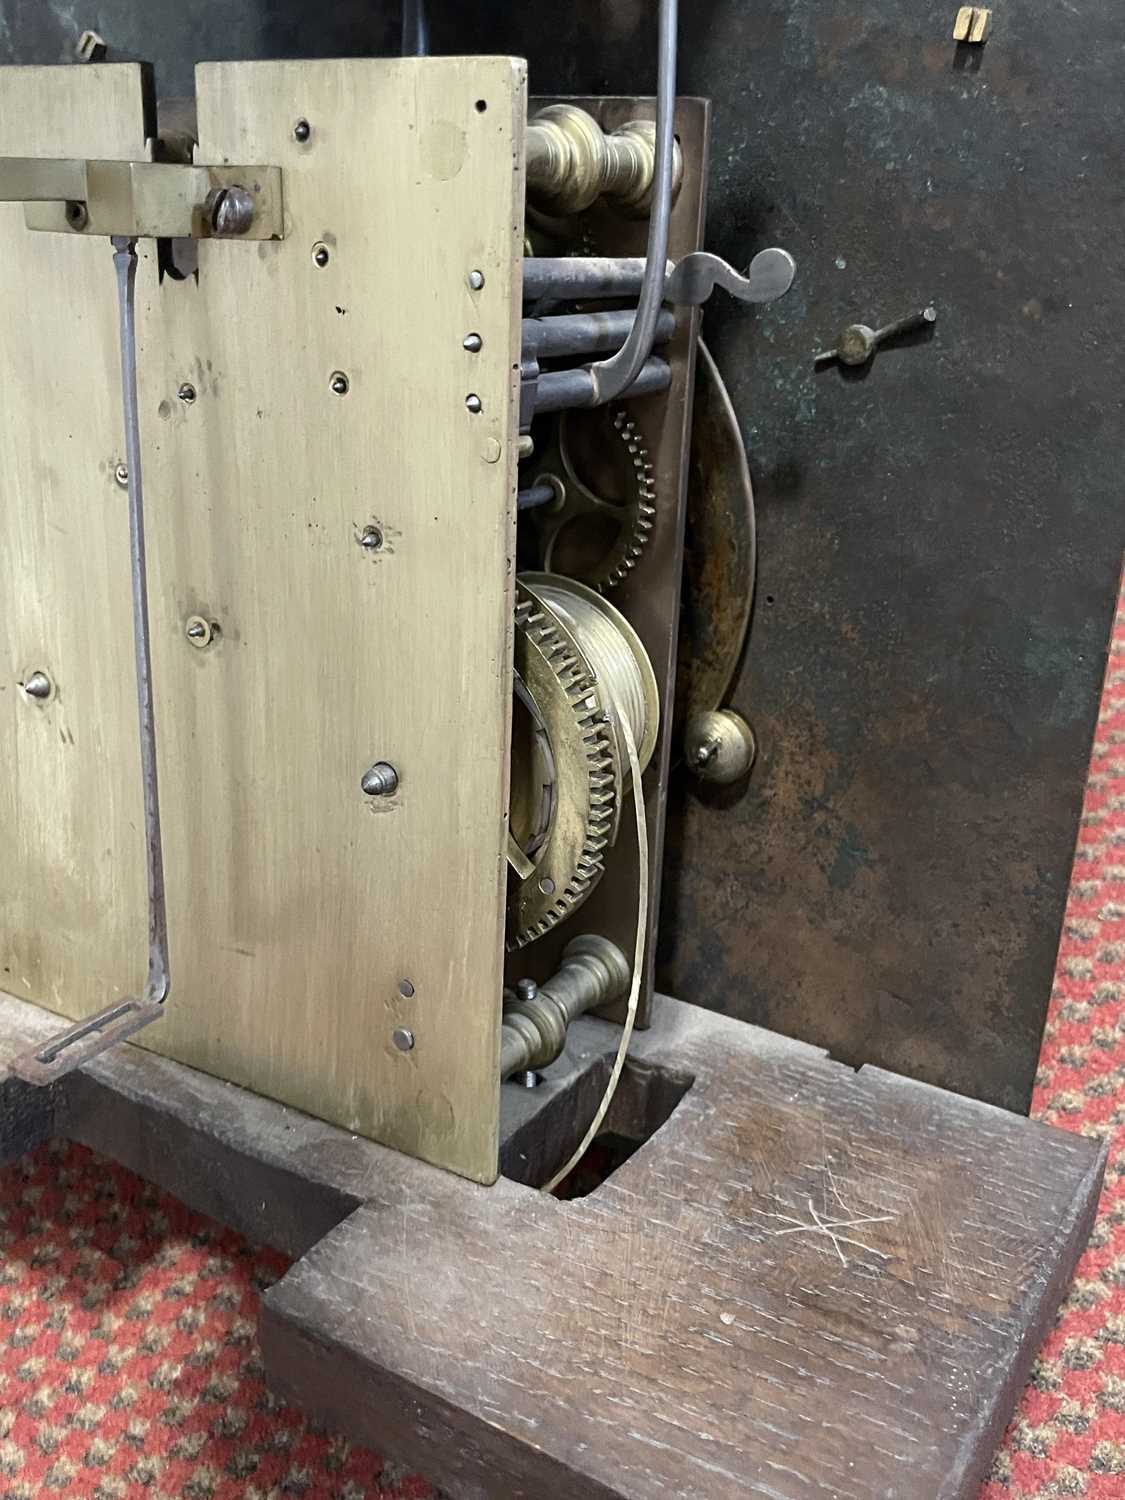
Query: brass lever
[(145, 199)]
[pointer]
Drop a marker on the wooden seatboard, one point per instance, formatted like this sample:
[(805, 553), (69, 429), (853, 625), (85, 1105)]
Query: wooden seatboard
[(809, 1284), (72, 875), (301, 910)]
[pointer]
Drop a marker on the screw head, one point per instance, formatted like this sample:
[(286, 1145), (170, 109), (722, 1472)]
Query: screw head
[(380, 780), (186, 393), (301, 131), (403, 1038), (371, 538), (199, 631), (37, 685), (526, 989), (472, 342), (121, 475), (229, 210), (321, 254), (475, 280), (474, 404), (339, 383)]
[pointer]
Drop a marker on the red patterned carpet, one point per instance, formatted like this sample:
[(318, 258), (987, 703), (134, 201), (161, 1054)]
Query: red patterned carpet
[(1068, 1436), (128, 1358), (128, 1361)]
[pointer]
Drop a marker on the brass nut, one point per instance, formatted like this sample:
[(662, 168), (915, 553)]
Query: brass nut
[(972, 25), (719, 746)]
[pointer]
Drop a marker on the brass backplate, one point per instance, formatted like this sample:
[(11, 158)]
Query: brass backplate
[(298, 399), (650, 596)]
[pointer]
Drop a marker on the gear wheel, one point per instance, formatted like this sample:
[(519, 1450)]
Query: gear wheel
[(600, 522), (565, 787)]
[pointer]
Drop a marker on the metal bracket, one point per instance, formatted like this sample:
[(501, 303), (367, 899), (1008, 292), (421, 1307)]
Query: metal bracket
[(54, 1059), (145, 199)]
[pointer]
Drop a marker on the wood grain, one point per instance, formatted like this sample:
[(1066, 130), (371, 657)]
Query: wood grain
[(72, 882), (687, 1330), (691, 1329)]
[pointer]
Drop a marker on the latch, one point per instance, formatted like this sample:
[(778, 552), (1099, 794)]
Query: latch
[(144, 199)]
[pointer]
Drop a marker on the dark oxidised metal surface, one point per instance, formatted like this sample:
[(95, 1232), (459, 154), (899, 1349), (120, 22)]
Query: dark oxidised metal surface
[(939, 532), (718, 581)]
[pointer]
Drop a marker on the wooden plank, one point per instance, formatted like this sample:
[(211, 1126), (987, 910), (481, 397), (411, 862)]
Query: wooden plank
[(300, 910), (72, 884), (810, 1283), (688, 1330)]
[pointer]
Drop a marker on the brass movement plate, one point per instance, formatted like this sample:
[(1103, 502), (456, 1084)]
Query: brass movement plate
[(307, 921), (72, 874)]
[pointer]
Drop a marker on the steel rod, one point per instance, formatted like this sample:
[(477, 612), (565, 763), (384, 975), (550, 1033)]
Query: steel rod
[(536, 495), (566, 277), (125, 263), (86, 1039), (559, 389), (614, 375), (415, 29), (587, 333)]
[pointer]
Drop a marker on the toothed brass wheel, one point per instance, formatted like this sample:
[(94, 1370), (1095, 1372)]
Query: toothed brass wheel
[(563, 799), (579, 667), (598, 527)]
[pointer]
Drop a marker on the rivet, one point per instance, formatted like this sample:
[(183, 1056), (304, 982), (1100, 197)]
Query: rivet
[(473, 343), (76, 215), (321, 253), (474, 404), (380, 780), (492, 451), (121, 474), (302, 130), (526, 989), (406, 989), (475, 280), (38, 685), (403, 1038), (339, 383), (186, 393), (371, 538)]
